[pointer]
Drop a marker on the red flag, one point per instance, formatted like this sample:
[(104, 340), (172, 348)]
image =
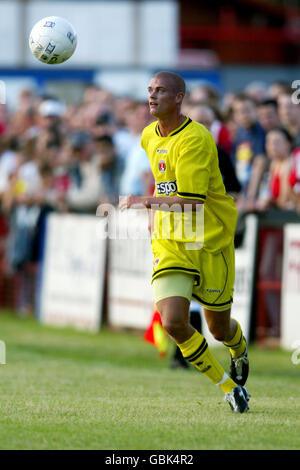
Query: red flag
[(156, 335)]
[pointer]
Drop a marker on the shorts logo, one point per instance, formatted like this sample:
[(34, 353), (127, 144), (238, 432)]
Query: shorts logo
[(166, 187), (213, 290), (162, 166)]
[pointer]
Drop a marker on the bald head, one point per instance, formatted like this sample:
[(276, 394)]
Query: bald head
[(176, 81), (165, 94)]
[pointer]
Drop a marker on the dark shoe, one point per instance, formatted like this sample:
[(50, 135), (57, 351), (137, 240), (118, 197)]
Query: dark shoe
[(238, 399), (239, 368), (177, 363)]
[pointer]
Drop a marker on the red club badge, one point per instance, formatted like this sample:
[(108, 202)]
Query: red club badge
[(162, 166)]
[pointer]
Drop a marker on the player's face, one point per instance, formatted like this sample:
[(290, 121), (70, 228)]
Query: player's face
[(162, 98)]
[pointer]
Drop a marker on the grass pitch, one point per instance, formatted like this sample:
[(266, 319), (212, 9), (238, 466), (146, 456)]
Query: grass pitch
[(64, 389)]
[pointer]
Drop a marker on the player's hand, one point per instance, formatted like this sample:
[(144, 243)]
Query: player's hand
[(126, 202)]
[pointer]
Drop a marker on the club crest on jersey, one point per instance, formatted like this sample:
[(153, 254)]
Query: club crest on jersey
[(162, 166)]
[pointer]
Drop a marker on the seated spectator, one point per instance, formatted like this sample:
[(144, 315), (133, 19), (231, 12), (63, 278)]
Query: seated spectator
[(93, 104), (278, 147), (248, 149), (268, 114), (9, 160), (226, 103), (294, 179), (28, 176), (122, 105), (205, 94), (110, 167), (137, 175), (277, 88), (84, 191), (289, 114), (221, 135), (231, 125), (24, 117), (3, 117), (129, 129), (257, 90)]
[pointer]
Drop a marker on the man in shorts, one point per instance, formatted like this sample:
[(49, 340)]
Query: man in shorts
[(192, 240)]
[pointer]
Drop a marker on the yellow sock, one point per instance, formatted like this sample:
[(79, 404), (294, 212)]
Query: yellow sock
[(197, 352), (237, 344)]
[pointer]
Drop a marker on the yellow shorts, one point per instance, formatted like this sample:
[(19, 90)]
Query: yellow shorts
[(214, 290)]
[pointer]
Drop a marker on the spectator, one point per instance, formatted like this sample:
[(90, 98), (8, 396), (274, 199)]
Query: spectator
[(93, 104), (137, 176), (231, 125), (3, 118), (294, 179), (25, 115), (257, 90), (104, 125), (268, 114), (277, 88), (227, 100), (289, 114), (221, 133), (205, 94), (127, 131), (110, 167), (18, 202), (84, 190), (278, 147), (208, 95), (122, 105), (248, 149), (9, 160)]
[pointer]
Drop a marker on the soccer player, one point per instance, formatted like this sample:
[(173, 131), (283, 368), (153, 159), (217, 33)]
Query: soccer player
[(188, 184)]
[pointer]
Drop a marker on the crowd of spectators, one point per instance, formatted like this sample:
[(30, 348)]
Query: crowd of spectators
[(259, 130), (58, 157)]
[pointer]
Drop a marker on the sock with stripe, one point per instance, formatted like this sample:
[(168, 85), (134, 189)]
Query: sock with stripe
[(237, 344), (196, 351)]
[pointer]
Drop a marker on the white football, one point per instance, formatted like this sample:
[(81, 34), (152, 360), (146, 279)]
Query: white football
[(53, 40)]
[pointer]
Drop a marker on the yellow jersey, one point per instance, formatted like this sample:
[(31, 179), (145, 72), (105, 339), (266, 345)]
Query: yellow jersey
[(185, 163)]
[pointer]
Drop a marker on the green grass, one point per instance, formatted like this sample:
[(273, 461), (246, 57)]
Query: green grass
[(64, 389)]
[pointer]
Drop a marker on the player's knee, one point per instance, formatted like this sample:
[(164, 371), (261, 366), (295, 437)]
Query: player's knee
[(219, 337), (173, 327), (218, 334)]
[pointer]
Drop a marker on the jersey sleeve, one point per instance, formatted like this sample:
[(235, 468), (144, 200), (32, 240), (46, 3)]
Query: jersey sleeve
[(193, 167)]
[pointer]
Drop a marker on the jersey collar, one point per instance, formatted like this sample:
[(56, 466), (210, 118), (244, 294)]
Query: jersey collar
[(176, 131)]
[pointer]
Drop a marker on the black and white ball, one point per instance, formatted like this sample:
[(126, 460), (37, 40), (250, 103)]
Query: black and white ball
[(53, 40)]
